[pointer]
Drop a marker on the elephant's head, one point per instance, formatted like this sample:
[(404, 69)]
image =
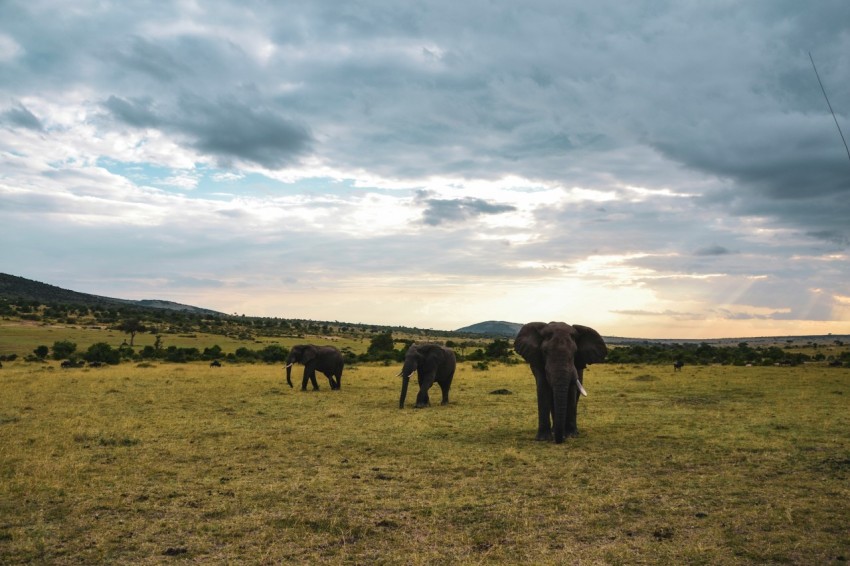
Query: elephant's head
[(424, 359), (560, 352), (303, 354)]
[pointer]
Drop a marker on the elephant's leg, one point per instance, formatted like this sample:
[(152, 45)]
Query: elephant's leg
[(571, 427), (309, 374), (444, 387), (422, 399), (331, 381)]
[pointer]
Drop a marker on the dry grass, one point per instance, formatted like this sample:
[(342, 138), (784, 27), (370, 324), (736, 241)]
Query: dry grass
[(134, 465)]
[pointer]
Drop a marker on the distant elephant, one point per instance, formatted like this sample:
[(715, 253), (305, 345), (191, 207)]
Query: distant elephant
[(215, 364), (431, 362), (677, 365), (558, 353), (325, 359)]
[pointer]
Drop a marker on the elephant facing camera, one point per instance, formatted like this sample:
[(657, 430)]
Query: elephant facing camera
[(558, 353), (432, 363)]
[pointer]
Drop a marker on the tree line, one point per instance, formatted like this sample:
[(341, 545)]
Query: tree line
[(704, 354), (382, 348)]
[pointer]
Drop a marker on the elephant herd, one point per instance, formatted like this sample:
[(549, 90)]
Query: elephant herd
[(557, 353)]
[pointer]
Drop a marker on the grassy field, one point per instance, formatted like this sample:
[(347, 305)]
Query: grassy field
[(184, 463)]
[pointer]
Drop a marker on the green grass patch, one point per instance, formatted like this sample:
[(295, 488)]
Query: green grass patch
[(128, 465)]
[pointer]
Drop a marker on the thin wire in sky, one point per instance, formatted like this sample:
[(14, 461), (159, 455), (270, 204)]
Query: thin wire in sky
[(829, 105)]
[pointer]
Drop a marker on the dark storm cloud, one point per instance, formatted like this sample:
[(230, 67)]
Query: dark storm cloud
[(20, 116), (833, 236), (712, 250), (449, 211), (230, 129), (158, 61), (227, 129), (137, 113)]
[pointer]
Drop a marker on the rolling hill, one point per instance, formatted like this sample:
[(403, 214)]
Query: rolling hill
[(13, 287), (492, 328)]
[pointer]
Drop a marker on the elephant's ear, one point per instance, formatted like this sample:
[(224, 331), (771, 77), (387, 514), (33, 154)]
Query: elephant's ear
[(590, 347), (528, 341), (309, 355)]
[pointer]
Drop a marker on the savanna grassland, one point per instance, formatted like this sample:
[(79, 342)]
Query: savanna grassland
[(185, 463)]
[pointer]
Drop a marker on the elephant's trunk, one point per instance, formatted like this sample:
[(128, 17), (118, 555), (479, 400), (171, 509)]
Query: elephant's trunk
[(559, 412), (405, 381), (288, 374), (406, 371)]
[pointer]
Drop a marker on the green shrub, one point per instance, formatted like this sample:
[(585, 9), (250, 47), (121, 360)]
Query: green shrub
[(102, 352), (62, 349)]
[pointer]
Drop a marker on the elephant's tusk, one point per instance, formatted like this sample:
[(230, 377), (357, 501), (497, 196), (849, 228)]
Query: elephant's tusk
[(581, 388), (289, 365)]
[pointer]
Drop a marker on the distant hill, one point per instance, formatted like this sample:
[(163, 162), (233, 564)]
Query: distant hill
[(493, 328), (14, 287)]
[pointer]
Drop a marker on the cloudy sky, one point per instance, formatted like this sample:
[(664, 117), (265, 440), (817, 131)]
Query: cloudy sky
[(648, 168)]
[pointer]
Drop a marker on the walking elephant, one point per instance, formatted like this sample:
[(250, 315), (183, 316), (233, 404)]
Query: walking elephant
[(325, 359), (558, 353), (431, 362)]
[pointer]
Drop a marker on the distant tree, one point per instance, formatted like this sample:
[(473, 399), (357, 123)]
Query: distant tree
[(273, 353), (498, 349), (245, 354), (148, 352), (464, 345), (126, 351), (102, 352), (213, 353), (181, 355), (476, 355), (381, 343), (131, 326), (41, 352), (63, 349)]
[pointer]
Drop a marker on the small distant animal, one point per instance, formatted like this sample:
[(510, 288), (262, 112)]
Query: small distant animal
[(833, 363), (95, 364), (215, 364), (677, 365), (68, 364)]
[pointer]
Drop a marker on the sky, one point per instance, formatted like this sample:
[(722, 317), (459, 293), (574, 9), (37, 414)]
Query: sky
[(649, 168)]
